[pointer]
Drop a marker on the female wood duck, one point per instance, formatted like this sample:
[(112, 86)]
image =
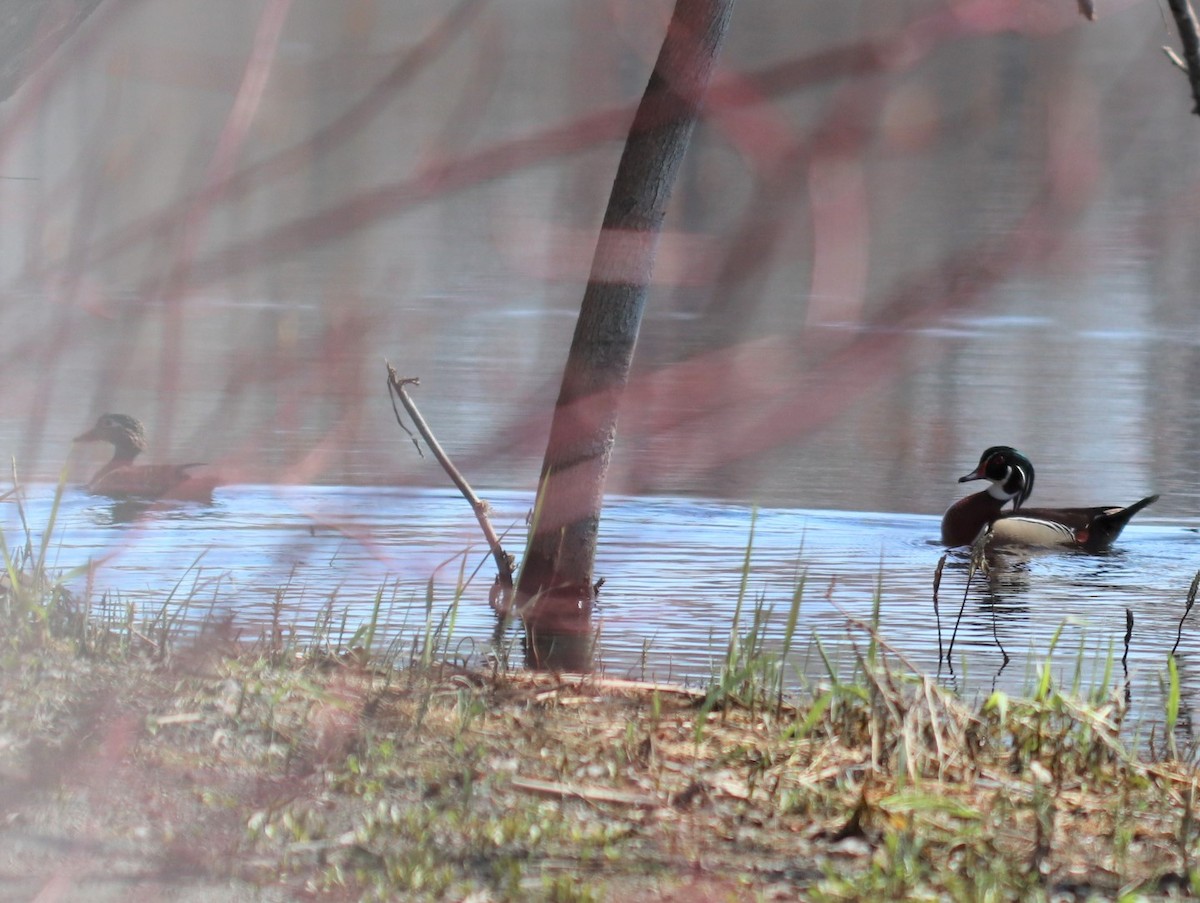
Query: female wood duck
[(1011, 476), (121, 478)]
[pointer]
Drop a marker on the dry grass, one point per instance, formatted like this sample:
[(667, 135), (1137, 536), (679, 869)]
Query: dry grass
[(134, 761), (228, 775)]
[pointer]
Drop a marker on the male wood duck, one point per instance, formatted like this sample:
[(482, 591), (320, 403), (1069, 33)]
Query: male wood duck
[(1011, 476), (121, 478)]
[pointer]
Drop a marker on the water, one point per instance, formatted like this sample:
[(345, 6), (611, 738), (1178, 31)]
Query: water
[(865, 282), (673, 570)]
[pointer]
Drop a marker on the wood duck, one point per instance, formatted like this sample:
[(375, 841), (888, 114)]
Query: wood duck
[(1011, 476), (121, 478)]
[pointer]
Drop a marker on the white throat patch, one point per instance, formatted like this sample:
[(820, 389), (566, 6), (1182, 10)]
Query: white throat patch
[(997, 490)]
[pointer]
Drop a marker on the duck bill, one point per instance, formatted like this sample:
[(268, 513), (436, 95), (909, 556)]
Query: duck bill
[(976, 474), (89, 436)]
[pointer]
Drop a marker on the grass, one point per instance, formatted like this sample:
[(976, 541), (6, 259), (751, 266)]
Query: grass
[(137, 755), (30, 599)]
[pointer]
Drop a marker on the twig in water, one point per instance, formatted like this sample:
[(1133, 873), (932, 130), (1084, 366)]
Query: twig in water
[(1125, 655), (501, 601), (937, 617), (996, 637), (978, 562), (1191, 600)]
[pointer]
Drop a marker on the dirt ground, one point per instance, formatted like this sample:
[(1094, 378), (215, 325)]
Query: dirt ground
[(232, 777)]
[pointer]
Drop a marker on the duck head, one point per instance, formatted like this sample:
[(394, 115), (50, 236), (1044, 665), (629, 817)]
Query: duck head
[(126, 434), (1010, 473)]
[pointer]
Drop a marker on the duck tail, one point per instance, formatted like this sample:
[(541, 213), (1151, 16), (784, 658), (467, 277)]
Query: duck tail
[(1126, 513), (1101, 532)]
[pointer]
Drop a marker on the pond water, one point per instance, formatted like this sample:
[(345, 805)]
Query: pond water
[(673, 569), (867, 278)]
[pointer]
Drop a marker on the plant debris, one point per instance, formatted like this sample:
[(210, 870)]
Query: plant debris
[(248, 777)]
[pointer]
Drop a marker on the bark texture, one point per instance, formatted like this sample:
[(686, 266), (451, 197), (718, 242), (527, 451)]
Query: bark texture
[(555, 586)]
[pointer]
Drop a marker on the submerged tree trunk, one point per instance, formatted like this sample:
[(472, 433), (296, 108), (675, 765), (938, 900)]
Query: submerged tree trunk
[(555, 591)]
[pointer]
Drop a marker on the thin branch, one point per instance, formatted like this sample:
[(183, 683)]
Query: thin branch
[(501, 601), (937, 582), (1128, 696), (395, 410), (1175, 58), (1189, 37), (1191, 600), (587, 793), (978, 563)]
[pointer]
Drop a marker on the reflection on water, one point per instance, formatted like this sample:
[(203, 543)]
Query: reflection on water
[(850, 306), (673, 572)]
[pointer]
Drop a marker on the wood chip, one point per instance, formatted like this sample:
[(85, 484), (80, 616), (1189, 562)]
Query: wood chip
[(181, 718), (590, 794)]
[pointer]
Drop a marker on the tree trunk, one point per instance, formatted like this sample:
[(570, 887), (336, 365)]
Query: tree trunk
[(555, 591)]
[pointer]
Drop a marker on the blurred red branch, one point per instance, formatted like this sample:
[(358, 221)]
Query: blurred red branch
[(49, 74), (230, 143), (231, 186), (772, 391), (900, 51)]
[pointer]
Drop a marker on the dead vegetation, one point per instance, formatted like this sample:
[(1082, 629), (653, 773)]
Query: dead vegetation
[(320, 778), (135, 759)]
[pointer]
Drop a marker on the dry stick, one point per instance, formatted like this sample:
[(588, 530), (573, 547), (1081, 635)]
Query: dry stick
[(1191, 600), (937, 581), (1128, 637), (1189, 38), (396, 411), (504, 561), (589, 794), (929, 685), (958, 619), (977, 563), (1125, 657), (996, 637)]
